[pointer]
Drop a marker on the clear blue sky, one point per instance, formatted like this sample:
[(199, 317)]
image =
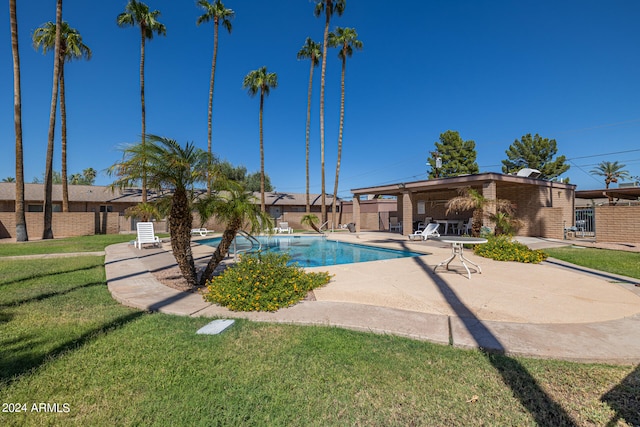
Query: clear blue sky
[(494, 71)]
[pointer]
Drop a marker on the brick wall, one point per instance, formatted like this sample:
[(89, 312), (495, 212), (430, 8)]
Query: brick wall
[(63, 224), (618, 224)]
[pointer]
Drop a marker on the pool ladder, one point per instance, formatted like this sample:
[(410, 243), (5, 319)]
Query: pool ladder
[(251, 240)]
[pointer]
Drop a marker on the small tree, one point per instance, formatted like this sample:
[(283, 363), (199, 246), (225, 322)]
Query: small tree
[(237, 208), (536, 153), (165, 164), (470, 199), (612, 172), (312, 221), (458, 156)]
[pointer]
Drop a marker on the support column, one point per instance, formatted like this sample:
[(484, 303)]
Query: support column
[(356, 211), (489, 192), (407, 213)]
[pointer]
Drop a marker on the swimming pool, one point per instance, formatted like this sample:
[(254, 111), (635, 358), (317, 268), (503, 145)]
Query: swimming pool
[(318, 251)]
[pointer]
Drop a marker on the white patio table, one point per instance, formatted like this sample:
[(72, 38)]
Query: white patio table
[(457, 248)]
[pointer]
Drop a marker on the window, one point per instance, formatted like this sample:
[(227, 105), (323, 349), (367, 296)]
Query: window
[(421, 207), (35, 208), (106, 208)]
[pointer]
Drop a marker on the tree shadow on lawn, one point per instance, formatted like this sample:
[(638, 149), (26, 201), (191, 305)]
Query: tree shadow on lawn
[(625, 399), (48, 295), (20, 355), (523, 385), (45, 273)]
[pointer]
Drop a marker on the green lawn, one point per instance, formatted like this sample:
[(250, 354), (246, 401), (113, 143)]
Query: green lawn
[(618, 262), (64, 341)]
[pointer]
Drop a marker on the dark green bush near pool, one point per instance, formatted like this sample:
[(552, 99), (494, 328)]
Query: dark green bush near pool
[(504, 248), (262, 282)]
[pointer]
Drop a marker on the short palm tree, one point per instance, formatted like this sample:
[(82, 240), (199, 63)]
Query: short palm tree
[(312, 221), (260, 81), (312, 51), (328, 7), (345, 39), (611, 171), (469, 199), (21, 222), (168, 166), (71, 47), (219, 14), (236, 207), (138, 13)]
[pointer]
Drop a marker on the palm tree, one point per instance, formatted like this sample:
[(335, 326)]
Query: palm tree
[(21, 223), (89, 176), (47, 232), (310, 50), (75, 179), (329, 7), (137, 13), (259, 81), (236, 207), (219, 14), (470, 199), (346, 39), (71, 47), (168, 165), (311, 220), (612, 172)]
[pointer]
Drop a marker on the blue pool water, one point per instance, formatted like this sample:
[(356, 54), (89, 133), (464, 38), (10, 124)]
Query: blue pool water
[(317, 251)]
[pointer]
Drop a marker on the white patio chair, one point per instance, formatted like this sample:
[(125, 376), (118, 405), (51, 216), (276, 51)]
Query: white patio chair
[(146, 235), (201, 231), (283, 227), (431, 230)]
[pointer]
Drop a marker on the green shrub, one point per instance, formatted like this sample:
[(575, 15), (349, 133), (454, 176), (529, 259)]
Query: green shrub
[(262, 282), (503, 248)]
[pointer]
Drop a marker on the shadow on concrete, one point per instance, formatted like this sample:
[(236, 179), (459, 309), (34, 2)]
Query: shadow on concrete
[(625, 400), (524, 387)]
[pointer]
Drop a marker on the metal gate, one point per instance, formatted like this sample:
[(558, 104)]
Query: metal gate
[(585, 222)]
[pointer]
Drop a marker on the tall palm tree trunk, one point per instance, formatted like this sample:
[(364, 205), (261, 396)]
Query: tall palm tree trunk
[(21, 223), (180, 222), (144, 117), (323, 207), (63, 144), (262, 201), (210, 113), (309, 92), (47, 232), (221, 251), (335, 187)]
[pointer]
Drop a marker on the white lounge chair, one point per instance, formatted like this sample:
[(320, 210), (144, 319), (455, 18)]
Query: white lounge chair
[(201, 231), (146, 235), (283, 227), (431, 230)]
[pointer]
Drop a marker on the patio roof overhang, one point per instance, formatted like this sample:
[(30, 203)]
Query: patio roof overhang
[(629, 193), (455, 183)]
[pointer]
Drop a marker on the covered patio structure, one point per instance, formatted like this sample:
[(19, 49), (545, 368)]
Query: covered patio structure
[(545, 207)]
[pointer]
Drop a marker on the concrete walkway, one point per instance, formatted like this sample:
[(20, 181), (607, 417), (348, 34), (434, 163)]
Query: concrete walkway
[(551, 310)]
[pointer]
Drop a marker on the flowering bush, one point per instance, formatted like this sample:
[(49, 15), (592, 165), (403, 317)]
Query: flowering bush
[(262, 282), (503, 248)]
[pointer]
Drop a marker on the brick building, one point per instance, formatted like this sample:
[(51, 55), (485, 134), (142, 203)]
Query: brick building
[(545, 207)]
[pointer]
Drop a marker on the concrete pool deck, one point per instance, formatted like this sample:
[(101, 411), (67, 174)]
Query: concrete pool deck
[(549, 310)]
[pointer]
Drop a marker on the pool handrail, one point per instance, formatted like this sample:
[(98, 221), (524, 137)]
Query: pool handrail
[(250, 238)]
